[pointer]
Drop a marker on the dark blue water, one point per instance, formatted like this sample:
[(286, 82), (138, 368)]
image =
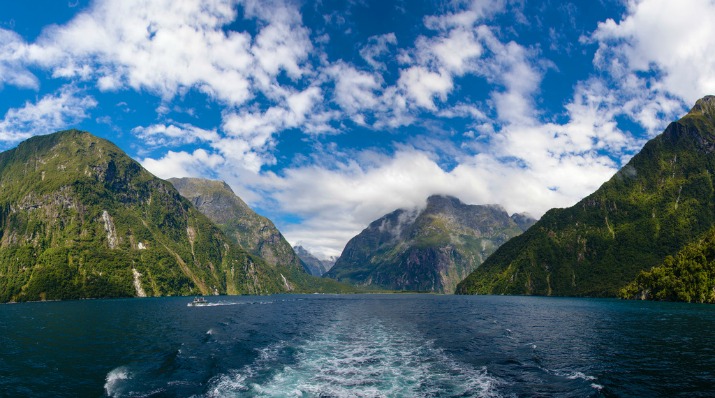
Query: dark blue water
[(357, 346)]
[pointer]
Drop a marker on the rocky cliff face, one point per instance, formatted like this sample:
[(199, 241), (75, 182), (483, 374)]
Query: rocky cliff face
[(656, 204), (79, 218), (313, 265), (426, 250), (256, 234)]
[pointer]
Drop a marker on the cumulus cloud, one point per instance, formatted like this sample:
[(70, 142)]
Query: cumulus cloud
[(355, 90), (660, 53), (162, 46), (249, 134), (169, 47), (377, 48), (50, 113), (421, 85), (174, 134), (199, 163), (12, 66), (518, 161)]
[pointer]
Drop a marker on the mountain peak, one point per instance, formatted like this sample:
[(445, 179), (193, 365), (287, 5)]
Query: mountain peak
[(429, 249), (195, 183), (702, 114), (705, 106), (255, 233)]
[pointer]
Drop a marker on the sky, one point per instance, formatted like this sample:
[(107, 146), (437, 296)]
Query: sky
[(326, 115)]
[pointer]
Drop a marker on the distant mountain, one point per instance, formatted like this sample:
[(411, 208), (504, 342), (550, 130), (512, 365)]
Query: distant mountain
[(79, 219), (662, 200), (427, 250), (254, 233), (314, 265)]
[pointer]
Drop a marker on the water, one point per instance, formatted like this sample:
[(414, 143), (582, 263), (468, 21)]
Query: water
[(357, 346)]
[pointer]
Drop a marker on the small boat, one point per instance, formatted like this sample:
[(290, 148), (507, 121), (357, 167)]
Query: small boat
[(198, 302)]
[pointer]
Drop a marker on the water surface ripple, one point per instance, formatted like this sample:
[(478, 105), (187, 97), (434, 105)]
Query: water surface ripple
[(357, 346)]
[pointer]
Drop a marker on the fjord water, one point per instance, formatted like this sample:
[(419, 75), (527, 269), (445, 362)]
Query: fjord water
[(357, 346)]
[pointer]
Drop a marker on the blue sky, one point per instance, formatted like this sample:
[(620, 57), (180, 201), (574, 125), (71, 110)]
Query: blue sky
[(326, 115)]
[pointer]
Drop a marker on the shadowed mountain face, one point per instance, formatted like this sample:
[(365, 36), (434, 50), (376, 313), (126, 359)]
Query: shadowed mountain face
[(426, 250), (79, 218), (654, 206)]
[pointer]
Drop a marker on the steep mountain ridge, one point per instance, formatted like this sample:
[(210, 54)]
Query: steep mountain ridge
[(424, 250), (661, 200), (255, 233)]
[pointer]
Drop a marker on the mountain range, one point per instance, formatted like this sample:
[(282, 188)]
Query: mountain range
[(430, 249), (80, 219)]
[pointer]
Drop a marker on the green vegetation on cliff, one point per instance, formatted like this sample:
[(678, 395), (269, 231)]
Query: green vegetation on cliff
[(80, 219), (654, 206), (688, 276), (429, 250)]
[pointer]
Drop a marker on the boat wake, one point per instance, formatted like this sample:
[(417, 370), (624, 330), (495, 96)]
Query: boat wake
[(225, 303), (345, 360)]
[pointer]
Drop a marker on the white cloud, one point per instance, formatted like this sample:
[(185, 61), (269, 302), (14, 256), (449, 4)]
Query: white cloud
[(160, 46), (168, 47), (355, 91), (660, 52), (12, 68), (454, 50), (200, 163), (51, 113), (174, 134), (282, 47), (249, 135), (421, 85), (376, 48)]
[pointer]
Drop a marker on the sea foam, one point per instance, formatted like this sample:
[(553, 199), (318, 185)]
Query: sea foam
[(115, 381), (373, 360)]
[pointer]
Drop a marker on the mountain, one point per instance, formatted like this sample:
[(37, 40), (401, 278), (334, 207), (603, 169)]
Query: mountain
[(655, 205), (252, 232), (425, 250), (255, 233), (79, 218), (313, 265)]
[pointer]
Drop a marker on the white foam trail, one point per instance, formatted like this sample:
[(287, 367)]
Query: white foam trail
[(224, 303), (115, 380), (358, 360), (579, 375)]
